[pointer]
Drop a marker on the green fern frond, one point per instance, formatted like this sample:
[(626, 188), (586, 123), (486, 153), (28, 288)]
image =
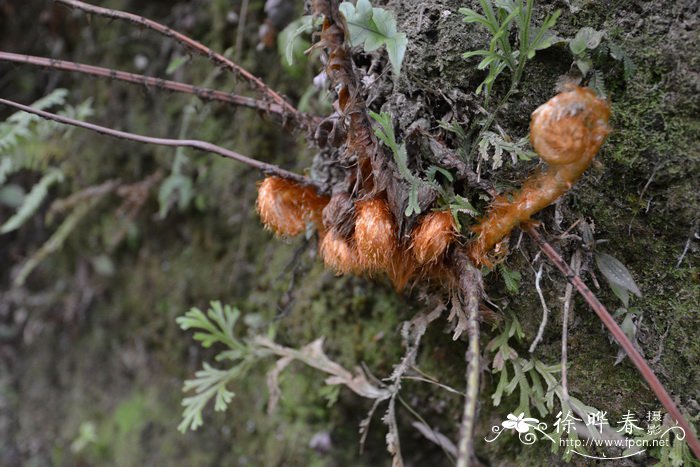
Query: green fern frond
[(208, 383), (385, 132), (32, 201), (18, 126), (215, 327), (498, 17)]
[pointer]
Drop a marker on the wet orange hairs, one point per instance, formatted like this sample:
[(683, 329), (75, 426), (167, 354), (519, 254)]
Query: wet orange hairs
[(375, 234), (432, 236), (566, 132), (285, 207), (338, 253)]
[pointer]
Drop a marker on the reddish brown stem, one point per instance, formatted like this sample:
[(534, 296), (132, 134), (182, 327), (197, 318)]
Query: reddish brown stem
[(202, 93), (619, 336), (264, 167), (341, 72), (195, 47)]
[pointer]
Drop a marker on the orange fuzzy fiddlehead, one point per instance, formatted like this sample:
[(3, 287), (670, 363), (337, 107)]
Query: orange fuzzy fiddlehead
[(338, 253), (432, 236), (566, 132), (375, 234), (285, 207)]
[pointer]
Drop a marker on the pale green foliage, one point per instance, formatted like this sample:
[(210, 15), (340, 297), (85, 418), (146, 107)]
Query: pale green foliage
[(385, 132), (517, 150), (26, 142), (589, 44), (586, 39), (374, 27), (57, 239), (455, 203), (176, 189), (618, 276), (498, 17), (87, 435), (459, 204), (214, 327), (288, 40), (538, 385), (20, 138), (511, 278), (527, 375), (21, 125), (621, 282), (582, 45), (217, 326), (579, 410), (32, 201), (177, 62), (676, 454), (628, 319), (208, 383), (5, 169)]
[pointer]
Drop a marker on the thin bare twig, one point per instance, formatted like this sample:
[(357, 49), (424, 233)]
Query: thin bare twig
[(568, 295), (545, 311), (135, 196), (450, 159), (264, 167), (619, 336), (685, 250), (431, 434), (62, 205), (470, 284), (240, 31), (193, 46), (148, 81), (438, 384)]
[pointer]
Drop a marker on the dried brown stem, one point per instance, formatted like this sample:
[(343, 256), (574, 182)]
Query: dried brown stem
[(470, 287), (350, 103), (450, 159), (619, 336), (148, 81), (545, 311), (62, 205), (264, 167), (568, 295), (195, 47)]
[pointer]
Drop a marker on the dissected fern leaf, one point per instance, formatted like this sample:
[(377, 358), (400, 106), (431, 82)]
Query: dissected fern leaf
[(32, 201), (18, 125)]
